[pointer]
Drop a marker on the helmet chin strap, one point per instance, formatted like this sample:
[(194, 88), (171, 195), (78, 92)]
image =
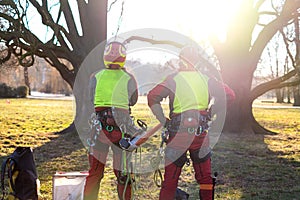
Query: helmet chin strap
[(114, 66)]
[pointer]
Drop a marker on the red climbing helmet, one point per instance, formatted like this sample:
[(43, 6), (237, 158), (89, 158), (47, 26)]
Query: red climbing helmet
[(189, 56), (114, 55)]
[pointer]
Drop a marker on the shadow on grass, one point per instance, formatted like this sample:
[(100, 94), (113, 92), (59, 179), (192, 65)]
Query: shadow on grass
[(248, 169)]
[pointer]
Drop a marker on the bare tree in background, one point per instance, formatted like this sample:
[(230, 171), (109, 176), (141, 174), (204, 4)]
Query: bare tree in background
[(67, 41), (297, 61)]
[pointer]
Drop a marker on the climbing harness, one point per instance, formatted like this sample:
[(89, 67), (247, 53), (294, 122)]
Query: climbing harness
[(191, 122), (95, 127)]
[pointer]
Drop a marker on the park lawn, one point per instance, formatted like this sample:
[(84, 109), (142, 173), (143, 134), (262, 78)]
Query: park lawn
[(249, 166)]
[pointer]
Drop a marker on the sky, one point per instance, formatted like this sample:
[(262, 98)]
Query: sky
[(195, 18)]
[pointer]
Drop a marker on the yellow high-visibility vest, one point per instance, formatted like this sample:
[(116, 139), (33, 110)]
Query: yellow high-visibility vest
[(191, 91), (112, 89)]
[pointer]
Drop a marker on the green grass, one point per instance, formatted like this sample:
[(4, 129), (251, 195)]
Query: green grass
[(249, 166)]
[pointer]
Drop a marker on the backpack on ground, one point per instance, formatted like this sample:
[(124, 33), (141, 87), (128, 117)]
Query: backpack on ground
[(20, 171)]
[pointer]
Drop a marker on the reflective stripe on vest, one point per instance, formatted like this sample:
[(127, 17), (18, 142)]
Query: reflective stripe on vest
[(111, 89), (191, 91)]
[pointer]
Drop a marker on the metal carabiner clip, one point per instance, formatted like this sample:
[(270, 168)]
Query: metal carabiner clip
[(90, 142), (199, 131), (98, 128)]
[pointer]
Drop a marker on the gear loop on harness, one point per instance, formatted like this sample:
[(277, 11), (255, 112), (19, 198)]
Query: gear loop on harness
[(199, 131), (194, 122), (95, 122), (96, 127)]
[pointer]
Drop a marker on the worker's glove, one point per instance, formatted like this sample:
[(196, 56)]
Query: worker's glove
[(129, 145)]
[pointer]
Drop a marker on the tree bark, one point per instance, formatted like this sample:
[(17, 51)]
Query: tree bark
[(238, 58), (26, 79), (279, 95), (296, 93)]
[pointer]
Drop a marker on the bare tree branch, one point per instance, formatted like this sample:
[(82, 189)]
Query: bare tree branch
[(152, 41), (110, 6), (5, 55), (69, 17), (82, 9), (273, 84), (287, 48), (258, 4), (59, 31), (268, 32), (268, 13)]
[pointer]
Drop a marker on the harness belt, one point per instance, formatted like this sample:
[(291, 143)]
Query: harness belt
[(107, 120), (192, 122)]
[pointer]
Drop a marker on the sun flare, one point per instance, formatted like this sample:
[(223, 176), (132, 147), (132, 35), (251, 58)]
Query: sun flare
[(202, 19), (198, 19)]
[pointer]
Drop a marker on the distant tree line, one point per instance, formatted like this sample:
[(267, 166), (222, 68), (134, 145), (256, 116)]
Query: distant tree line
[(11, 92), (40, 77)]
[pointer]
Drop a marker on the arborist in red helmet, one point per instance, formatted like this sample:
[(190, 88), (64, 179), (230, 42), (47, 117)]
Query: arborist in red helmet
[(112, 89), (189, 93)]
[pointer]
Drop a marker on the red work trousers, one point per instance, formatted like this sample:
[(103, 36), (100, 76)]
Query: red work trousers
[(96, 172), (202, 170)]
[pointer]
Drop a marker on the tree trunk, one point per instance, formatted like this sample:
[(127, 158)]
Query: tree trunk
[(94, 26), (279, 95), (296, 96), (288, 95), (237, 118), (240, 118), (26, 79)]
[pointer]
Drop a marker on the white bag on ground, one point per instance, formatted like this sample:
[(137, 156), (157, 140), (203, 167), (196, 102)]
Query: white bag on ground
[(68, 185)]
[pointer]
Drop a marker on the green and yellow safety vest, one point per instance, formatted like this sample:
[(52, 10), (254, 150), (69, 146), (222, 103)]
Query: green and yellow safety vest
[(191, 92), (112, 89)]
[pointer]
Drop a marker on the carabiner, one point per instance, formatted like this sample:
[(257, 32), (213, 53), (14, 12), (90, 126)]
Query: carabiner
[(98, 128), (109, 128), (199, 131)]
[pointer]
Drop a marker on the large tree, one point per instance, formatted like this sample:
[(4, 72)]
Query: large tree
[(239, 55)]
